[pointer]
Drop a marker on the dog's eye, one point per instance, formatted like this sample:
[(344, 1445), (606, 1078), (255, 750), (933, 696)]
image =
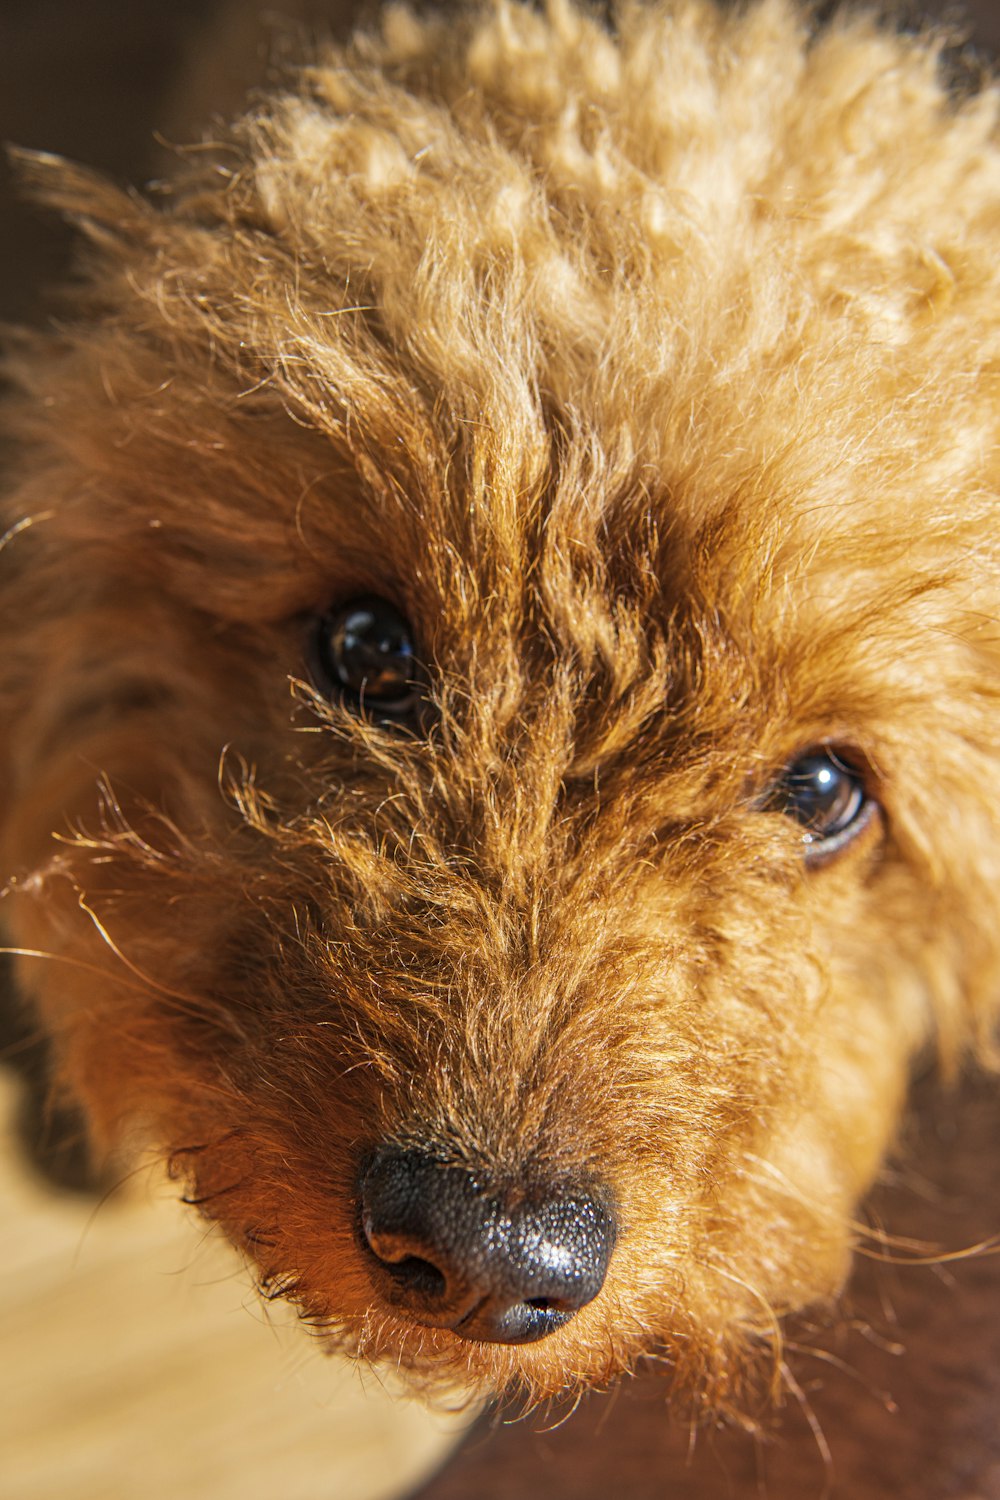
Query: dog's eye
[(365, 652), (826, 795)]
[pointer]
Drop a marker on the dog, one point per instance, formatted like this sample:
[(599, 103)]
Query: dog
[(501, 669)]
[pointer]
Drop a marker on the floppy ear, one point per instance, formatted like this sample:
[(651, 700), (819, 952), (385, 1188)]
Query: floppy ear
[(104, 213)]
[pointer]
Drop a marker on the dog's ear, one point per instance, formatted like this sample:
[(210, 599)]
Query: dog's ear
[(106, 214)]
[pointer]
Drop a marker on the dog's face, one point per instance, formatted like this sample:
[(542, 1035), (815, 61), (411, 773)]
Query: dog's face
[(503, 627)]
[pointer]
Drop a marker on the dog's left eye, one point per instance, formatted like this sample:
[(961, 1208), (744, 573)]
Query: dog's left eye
[(826, 795), (365, 652)]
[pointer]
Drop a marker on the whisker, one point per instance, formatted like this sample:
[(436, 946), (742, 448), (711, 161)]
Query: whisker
[(990, 1246), (203, 1198), (199, 1007), (775, 1333), (80, 964), (913, 1252), (816, 1428), (557, 1422), (24, 524), (141, 1169), (836, 1362)]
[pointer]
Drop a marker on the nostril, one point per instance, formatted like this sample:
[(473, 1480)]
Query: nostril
[(415, 1274), (398, 1226)]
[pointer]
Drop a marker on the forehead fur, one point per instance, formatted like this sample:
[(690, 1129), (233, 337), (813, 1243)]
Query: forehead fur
[(697, 310)]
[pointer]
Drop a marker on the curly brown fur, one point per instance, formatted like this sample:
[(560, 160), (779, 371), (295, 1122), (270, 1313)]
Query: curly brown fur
[(655, 376)]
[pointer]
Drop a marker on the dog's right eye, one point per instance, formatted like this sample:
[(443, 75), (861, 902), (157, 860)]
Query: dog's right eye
[(365, 654), (826, 795)]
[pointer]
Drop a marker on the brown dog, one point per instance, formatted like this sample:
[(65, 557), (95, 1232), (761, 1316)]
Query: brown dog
[(500, 672)]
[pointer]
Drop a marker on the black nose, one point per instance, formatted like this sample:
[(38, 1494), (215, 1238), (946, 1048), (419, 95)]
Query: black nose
[(451, 1254)]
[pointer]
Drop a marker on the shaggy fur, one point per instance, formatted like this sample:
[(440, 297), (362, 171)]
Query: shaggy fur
[(655, 375)]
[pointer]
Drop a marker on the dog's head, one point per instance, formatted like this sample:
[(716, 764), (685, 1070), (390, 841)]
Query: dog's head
[(554, 477)]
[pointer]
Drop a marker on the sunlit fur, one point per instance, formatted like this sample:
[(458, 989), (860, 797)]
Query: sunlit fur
[(654, 373)]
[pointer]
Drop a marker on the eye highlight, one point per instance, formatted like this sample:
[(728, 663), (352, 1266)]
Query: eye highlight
[(365, 653), (825, 794)]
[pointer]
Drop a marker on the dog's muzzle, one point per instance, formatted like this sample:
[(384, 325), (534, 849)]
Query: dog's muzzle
[(447, 1252)]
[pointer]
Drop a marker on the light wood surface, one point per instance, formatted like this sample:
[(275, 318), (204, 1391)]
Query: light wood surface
[(136, 1363)]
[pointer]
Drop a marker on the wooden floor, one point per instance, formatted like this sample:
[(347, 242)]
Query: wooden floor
[(136, 1364)]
